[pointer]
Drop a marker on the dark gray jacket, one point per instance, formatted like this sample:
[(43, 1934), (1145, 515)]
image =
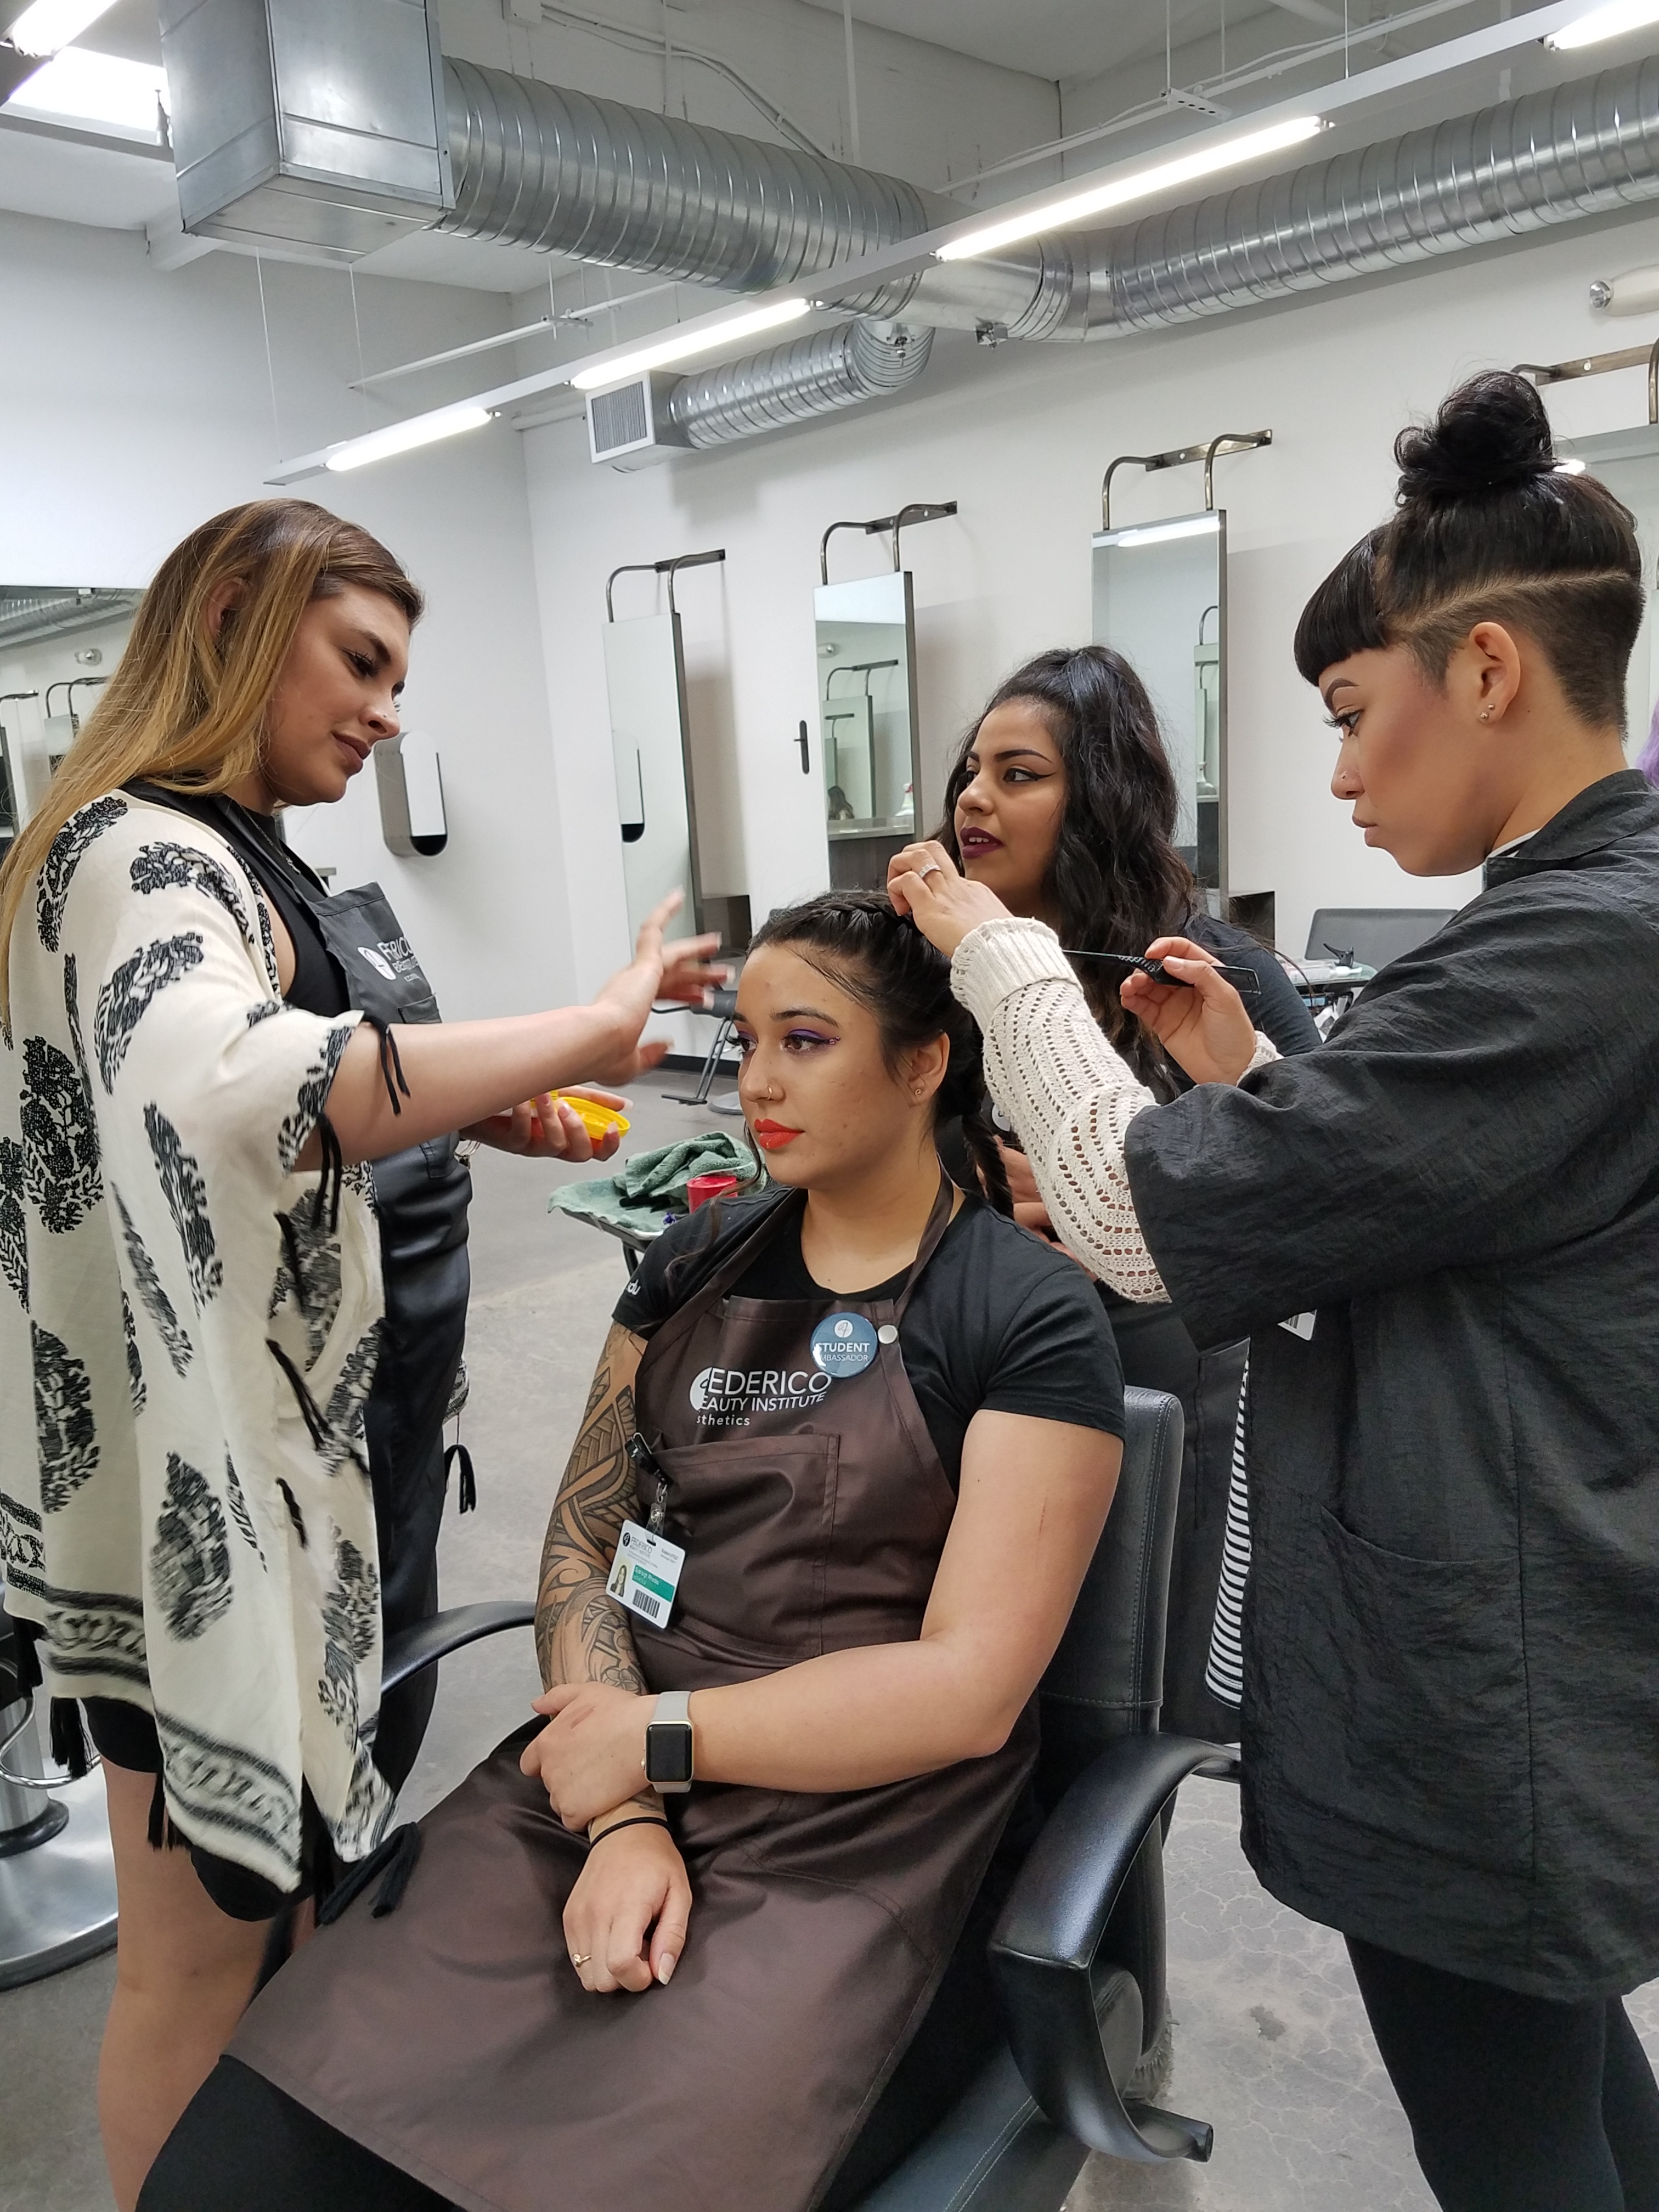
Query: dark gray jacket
[(1451, 1705)]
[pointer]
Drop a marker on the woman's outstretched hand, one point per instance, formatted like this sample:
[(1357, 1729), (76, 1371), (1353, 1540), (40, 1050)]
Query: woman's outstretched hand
[(682, 971), (1206, 1029), (924, 881), (546, 1129), (633, 1887)]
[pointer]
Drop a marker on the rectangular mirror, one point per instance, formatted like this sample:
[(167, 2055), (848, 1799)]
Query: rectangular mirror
[(867, 724), (1627, 462), (1160, 599), (58, 643), (645, 676)]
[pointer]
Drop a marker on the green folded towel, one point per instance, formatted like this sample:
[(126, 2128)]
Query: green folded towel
[(652, 1184), (660, 1178)]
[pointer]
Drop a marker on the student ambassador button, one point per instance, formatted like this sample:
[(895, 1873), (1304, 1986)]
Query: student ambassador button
[(843, 1343)]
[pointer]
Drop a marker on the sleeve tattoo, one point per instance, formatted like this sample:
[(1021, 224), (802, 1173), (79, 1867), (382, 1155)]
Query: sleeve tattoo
[(581, 1634)]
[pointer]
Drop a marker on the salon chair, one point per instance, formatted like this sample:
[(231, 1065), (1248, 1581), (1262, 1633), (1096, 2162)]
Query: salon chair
[(1373, 935), (1077, 1953)]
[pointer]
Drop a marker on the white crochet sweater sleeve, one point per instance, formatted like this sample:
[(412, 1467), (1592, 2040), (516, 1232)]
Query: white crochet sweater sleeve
[(1069, 1095)]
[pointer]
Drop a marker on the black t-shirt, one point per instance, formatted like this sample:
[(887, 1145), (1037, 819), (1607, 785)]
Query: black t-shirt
[(998, 1320)]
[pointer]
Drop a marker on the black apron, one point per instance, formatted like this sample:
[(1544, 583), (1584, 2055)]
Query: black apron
[(421, 1199), (453, 2039)]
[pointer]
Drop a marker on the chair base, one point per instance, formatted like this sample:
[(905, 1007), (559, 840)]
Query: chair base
[(58, 1901)]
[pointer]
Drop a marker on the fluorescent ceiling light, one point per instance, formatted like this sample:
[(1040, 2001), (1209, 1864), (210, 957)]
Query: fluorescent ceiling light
[(683, 344), (46, 25), (1138, 186), (403, 437), (1160, 533), (80, 87), (1608, 22)]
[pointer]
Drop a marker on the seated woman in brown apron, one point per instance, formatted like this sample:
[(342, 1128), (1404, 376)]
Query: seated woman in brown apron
[(815, 1545)]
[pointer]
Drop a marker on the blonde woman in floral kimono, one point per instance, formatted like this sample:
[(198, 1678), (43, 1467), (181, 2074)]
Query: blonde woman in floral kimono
[(192, 1292)]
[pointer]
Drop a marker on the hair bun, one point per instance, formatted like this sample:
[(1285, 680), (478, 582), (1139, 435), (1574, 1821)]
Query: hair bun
[(1492, 435)]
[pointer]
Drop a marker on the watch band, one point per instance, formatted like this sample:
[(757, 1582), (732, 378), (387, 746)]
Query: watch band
[(669, 1746)]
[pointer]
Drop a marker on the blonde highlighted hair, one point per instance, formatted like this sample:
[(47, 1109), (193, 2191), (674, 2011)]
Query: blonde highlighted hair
[(187, 709)]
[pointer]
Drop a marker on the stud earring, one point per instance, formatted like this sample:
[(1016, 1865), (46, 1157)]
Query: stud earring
[(1486, 714)]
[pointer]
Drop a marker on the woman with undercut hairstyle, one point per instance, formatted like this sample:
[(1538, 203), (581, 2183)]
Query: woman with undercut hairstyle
[(1441, 1233)]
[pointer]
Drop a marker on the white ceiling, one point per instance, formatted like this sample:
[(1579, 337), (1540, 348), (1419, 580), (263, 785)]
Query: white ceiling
[(1072, 39)]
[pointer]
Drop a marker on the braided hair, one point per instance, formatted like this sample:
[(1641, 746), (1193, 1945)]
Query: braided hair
[(881, 959)]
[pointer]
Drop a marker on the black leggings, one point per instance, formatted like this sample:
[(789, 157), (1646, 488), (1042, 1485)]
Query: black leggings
[(1516, 2103)]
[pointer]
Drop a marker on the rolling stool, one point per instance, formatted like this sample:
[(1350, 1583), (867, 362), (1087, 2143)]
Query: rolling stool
[(57, 1869)]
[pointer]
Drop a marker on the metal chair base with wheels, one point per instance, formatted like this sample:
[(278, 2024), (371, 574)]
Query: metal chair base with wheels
[(56, 1867)]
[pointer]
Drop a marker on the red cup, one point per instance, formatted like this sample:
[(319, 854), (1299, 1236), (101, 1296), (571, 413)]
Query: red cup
[(701, 1188)]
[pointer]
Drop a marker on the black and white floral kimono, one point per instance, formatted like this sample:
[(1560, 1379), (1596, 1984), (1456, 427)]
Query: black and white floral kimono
[(187, 1333)]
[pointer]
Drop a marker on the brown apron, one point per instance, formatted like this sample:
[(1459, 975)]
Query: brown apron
[(453, 2037)]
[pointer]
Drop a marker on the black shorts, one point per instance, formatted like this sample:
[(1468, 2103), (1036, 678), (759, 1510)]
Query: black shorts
[(126, 1736)]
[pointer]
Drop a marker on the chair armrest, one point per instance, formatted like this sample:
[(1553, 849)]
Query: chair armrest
[(414, 1648), (1074, 2043)]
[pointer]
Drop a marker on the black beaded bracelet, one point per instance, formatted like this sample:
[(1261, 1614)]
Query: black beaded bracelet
[(639, 1820)]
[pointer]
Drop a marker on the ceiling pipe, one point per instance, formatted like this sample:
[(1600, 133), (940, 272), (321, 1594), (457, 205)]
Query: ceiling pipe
[(1577, 149), (815, 375), (539, 166)]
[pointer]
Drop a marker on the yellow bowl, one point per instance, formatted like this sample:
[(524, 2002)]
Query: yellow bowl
[(598, 1121)]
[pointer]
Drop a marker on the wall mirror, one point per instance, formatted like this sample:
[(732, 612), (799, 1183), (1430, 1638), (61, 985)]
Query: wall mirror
[(651, 749), (869, 733), (1160, 599), (1627, 462), (58, 644)]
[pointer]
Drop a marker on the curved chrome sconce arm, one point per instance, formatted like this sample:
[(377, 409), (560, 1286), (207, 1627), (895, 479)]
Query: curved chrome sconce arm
[(669, 569), (885, 526), (1230, 441), (1597, 364)]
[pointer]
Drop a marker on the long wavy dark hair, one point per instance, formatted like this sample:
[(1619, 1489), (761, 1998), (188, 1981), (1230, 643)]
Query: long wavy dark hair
[(883, 960), (1116, 880)]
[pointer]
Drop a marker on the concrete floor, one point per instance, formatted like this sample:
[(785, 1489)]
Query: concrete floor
[(1271, 2042)]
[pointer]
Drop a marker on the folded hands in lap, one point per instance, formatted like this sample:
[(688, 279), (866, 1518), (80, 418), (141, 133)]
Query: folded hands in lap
[(626, 1918)]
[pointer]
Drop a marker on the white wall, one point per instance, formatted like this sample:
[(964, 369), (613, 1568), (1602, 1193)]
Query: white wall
[(1020, 439), (139, 403)]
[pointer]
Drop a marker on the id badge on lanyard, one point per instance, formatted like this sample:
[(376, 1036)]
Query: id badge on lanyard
[(645, 1574)]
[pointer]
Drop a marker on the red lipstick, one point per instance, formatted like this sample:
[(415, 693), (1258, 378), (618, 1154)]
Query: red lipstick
[(773, 1136)]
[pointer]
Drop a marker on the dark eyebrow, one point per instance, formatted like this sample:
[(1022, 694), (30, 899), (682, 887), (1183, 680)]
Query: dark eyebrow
[(1021, 752), (803, 1013)]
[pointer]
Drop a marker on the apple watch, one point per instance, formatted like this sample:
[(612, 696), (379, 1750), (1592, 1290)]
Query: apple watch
[(668, 1743)]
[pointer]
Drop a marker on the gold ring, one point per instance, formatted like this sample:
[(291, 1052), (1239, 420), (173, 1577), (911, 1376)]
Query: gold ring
[(580, 1959)]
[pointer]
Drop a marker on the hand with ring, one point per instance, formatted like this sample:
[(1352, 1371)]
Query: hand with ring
[(923, 882), (625, 1920)]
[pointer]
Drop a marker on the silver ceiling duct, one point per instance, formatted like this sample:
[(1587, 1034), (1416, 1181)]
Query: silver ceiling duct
[(815, 375), (27, 615), (1582, 148), (536, 166)]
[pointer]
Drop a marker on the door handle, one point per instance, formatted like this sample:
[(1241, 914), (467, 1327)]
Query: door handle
[(805, 758)]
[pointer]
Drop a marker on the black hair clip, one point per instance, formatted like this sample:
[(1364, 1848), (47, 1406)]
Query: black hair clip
[(1244, 981)]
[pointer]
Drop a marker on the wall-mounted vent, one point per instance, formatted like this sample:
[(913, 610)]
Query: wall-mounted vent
[(627, 427)]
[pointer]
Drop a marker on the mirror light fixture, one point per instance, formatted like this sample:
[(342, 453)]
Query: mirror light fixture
[(405, 437), (1611, 22), (46, 25), (682, 345), (1160, 533), (1140, 184)]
